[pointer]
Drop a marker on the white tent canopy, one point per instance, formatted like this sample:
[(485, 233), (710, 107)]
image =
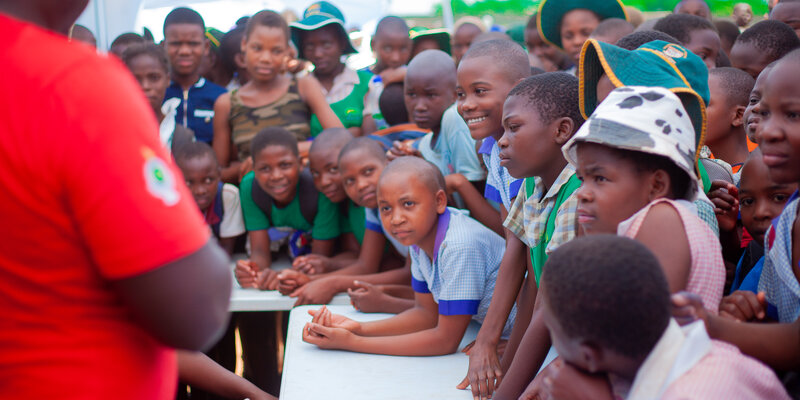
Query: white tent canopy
[(110, 18)]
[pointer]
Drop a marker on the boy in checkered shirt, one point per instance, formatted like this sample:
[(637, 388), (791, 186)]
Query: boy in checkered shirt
[(454, 263)]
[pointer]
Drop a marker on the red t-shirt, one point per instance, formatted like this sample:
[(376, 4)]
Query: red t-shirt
[(89, 196)]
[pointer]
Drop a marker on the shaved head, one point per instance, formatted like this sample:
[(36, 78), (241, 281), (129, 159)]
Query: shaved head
[(695, 7), (415, 169), (368, 145), (432, 63), (332, 138), (506, 54), (391, 25)]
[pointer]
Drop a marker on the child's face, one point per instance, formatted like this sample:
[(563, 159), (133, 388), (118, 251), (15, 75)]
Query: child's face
[(752, 114), (325, 171), (718, 113), (265, 53), (462, 39), (324, 49), (788, 13), (153, 78), (424, 44), (409, 209), (360, 174), (760, 198), (705, 43), (569, 349), (612, 189), (202, 176), (392, 49), (482, 89), (427, 97), (527, 147), (186, 46), (543, 50), (277, 170), (576, 27), (748, 58), (779, 131)]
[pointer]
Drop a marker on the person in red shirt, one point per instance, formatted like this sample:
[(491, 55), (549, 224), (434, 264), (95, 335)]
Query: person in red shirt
[(105, 262)]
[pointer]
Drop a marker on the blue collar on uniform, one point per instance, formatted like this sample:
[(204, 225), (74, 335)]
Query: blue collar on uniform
[(441, 230), (486, 145)]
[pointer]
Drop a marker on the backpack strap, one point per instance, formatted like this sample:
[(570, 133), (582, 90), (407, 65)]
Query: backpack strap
[(262, 200), (309, 197)]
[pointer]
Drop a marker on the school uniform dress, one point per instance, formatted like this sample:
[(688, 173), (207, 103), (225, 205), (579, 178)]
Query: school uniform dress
[(501, 187), (454, 149), (707, 273), (195, 109), (462, 274), (346, 99), (82, 208), (686, 364), (545, 221), (778, 281)]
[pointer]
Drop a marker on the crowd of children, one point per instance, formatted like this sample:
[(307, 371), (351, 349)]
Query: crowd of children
[(623, 225)]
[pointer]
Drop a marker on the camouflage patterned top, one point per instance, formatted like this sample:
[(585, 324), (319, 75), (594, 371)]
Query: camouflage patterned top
[(289, 112)]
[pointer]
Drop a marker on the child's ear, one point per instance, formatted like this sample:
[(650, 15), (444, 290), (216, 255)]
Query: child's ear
[(660, 184), (592, 356), (243, 47), (738, 116), (206, 46), (440, 201), (564, 127)]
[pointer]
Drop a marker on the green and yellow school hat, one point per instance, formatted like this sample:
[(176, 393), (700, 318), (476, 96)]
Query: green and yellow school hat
[(654, 64), (551, 12), (441, 36), (316, 16)]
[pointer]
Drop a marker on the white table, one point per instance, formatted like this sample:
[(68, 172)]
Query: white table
[(269, 300), (310, 372)]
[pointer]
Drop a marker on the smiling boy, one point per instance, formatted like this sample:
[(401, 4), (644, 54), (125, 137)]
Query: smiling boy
[(186, 44)]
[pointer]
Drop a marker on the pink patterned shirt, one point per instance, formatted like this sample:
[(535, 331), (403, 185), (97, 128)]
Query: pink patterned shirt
[(707, 274)]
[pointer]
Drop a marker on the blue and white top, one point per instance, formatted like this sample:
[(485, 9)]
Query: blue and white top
[(501, 187), (373, 223), (463, 272)]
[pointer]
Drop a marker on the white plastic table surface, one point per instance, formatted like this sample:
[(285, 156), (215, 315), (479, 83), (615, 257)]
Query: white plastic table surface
[(269, 300), (312, 373)]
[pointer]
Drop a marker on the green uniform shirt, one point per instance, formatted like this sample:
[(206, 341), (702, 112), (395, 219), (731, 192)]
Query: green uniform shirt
[(353, 221), (350, 110), (325, 225)]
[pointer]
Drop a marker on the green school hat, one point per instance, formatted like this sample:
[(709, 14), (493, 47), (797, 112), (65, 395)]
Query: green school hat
[(441, 36), (517, 34), (214, 37), (654, 64), (316, 16), (548, 19)]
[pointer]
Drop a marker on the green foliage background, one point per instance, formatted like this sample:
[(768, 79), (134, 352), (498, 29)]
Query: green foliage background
[(720, 8)]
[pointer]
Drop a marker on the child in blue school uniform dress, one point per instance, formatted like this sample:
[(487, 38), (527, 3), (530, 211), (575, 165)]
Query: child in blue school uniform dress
[(454, 263)]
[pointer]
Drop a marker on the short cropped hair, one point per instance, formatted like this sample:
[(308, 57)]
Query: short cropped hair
[(506, 54), (772, 37), (638, 38), (190, 150), (532, 24), (553, 94), (371, 146), (230, 46), (273, 136), (392, 104), (727, 30), (417, 169), (184, 15), (127, 38), (609, 290), (612, 26), (267, 18), (146, 48), (331, 138), (390, 23), (736, 84), (681, 26)]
